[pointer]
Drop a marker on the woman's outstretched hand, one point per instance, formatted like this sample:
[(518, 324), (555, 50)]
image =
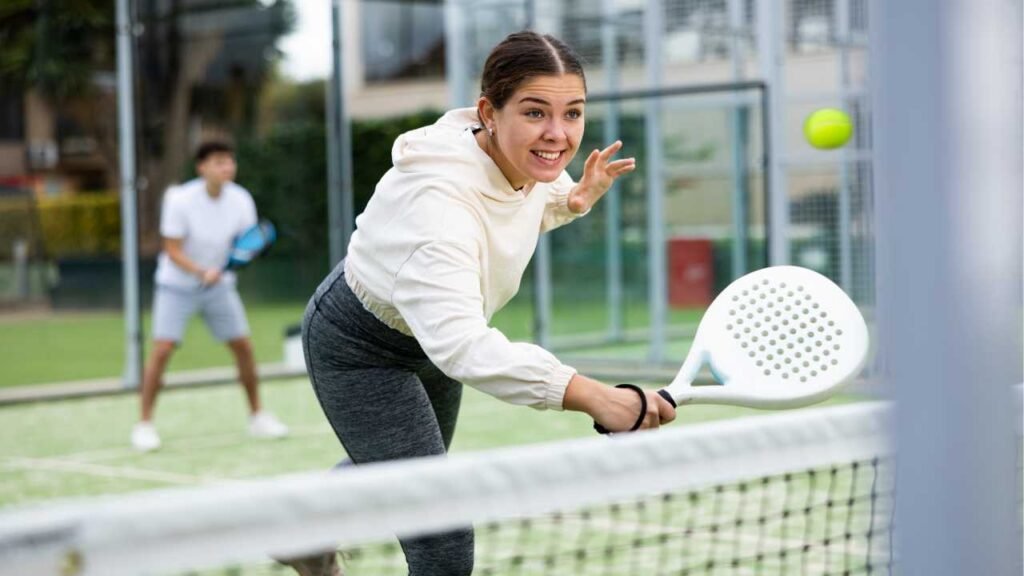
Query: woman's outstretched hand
[(599, 173)]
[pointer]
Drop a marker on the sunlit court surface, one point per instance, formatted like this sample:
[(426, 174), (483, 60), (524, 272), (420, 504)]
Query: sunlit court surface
[(817, 261)]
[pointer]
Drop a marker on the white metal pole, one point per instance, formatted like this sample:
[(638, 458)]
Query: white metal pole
[(948, 172), (456, 56), (771, 51), (654, 20), (844, 216), (132, 374), (738, 118), (340, 195), (612, 200)]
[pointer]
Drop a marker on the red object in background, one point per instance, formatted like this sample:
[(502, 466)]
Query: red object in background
[(691, 273), (19, 181)]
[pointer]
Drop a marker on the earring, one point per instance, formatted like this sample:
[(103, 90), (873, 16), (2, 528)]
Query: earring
[(490, 131)]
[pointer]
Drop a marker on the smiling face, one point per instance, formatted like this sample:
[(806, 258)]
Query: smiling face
[(538, 131)]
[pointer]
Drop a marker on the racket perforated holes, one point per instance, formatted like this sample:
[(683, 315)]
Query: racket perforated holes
[(788, 312)]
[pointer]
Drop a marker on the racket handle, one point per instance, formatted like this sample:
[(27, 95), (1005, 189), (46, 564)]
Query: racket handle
[(664, 394)]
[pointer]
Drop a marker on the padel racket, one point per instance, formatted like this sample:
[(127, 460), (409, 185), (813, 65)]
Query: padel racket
[(780, 337), (250, 244)]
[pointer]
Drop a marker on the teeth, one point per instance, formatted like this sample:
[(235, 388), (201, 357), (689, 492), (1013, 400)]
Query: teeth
[(547, 155)]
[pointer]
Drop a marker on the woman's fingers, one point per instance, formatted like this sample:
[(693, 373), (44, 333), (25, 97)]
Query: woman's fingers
[(620, 167), (611, 150), (666, 411), (591, 161), (659, 411), (598, 176), (613, 168)]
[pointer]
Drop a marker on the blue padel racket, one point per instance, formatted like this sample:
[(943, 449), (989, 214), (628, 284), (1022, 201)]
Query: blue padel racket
[(250, 244)]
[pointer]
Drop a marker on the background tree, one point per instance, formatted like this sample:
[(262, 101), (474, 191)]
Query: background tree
[(64, 52), (202, 67)]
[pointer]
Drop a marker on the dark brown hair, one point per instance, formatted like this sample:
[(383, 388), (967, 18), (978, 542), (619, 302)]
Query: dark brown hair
[(212, 147), (522, 56)]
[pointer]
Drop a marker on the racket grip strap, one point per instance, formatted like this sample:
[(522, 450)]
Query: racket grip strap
[(643, 409), (664, 394)]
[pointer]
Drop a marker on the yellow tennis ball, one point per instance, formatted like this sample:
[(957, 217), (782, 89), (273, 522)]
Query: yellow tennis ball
[(828, 128)]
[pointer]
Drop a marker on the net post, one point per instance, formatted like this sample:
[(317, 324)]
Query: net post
[(948, 210)]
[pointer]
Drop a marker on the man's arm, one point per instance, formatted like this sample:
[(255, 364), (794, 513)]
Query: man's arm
[(172, 246)]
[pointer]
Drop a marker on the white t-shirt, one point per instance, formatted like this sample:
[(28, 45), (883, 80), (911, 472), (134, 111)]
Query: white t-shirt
[(206, 225)]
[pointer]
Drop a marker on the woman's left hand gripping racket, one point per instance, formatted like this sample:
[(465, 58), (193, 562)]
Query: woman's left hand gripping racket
[(250, 244), (780, 337)]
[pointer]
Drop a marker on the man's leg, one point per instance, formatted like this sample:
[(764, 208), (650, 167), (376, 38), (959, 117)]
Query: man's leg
[(225, 316), (153, 376), (144, 437), (171, 311), (262, 424), (245, 361)]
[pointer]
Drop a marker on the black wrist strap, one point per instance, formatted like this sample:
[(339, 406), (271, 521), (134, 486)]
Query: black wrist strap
[(667, 397), (643, 409)]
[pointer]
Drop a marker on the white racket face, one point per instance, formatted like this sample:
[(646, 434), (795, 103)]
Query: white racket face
[(779, 337)]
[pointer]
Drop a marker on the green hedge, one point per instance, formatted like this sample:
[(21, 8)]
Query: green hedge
[(82, 225), (286, 170)]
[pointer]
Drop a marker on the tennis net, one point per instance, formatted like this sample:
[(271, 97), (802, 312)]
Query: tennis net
[(803, 492)]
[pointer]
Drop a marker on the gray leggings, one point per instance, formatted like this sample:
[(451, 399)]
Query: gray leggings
[(385, 400)]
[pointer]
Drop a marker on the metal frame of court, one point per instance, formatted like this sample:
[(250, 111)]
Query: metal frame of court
[(459, 70), (657, 280), (340, 217)]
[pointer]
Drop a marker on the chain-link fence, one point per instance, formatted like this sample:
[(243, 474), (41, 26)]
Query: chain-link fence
[(824, 197)]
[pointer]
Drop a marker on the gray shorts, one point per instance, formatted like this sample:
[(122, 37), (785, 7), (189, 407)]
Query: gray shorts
[(220, 305)]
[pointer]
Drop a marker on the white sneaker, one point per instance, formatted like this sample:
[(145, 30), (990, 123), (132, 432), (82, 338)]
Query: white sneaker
[(263, 424), (144, 437)]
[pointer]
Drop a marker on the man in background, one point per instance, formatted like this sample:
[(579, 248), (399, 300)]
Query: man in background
[(199, 222)]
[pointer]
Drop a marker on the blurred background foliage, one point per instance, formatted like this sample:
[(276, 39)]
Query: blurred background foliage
[(284, 169)]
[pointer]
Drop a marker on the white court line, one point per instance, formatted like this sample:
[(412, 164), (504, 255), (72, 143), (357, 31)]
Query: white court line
[(190, 444), (56, 465), (79, 463)]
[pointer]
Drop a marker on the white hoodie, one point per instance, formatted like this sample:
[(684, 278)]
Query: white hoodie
[(442, 246)]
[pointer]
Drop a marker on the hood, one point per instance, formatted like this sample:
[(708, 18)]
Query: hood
[(448, 149)]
